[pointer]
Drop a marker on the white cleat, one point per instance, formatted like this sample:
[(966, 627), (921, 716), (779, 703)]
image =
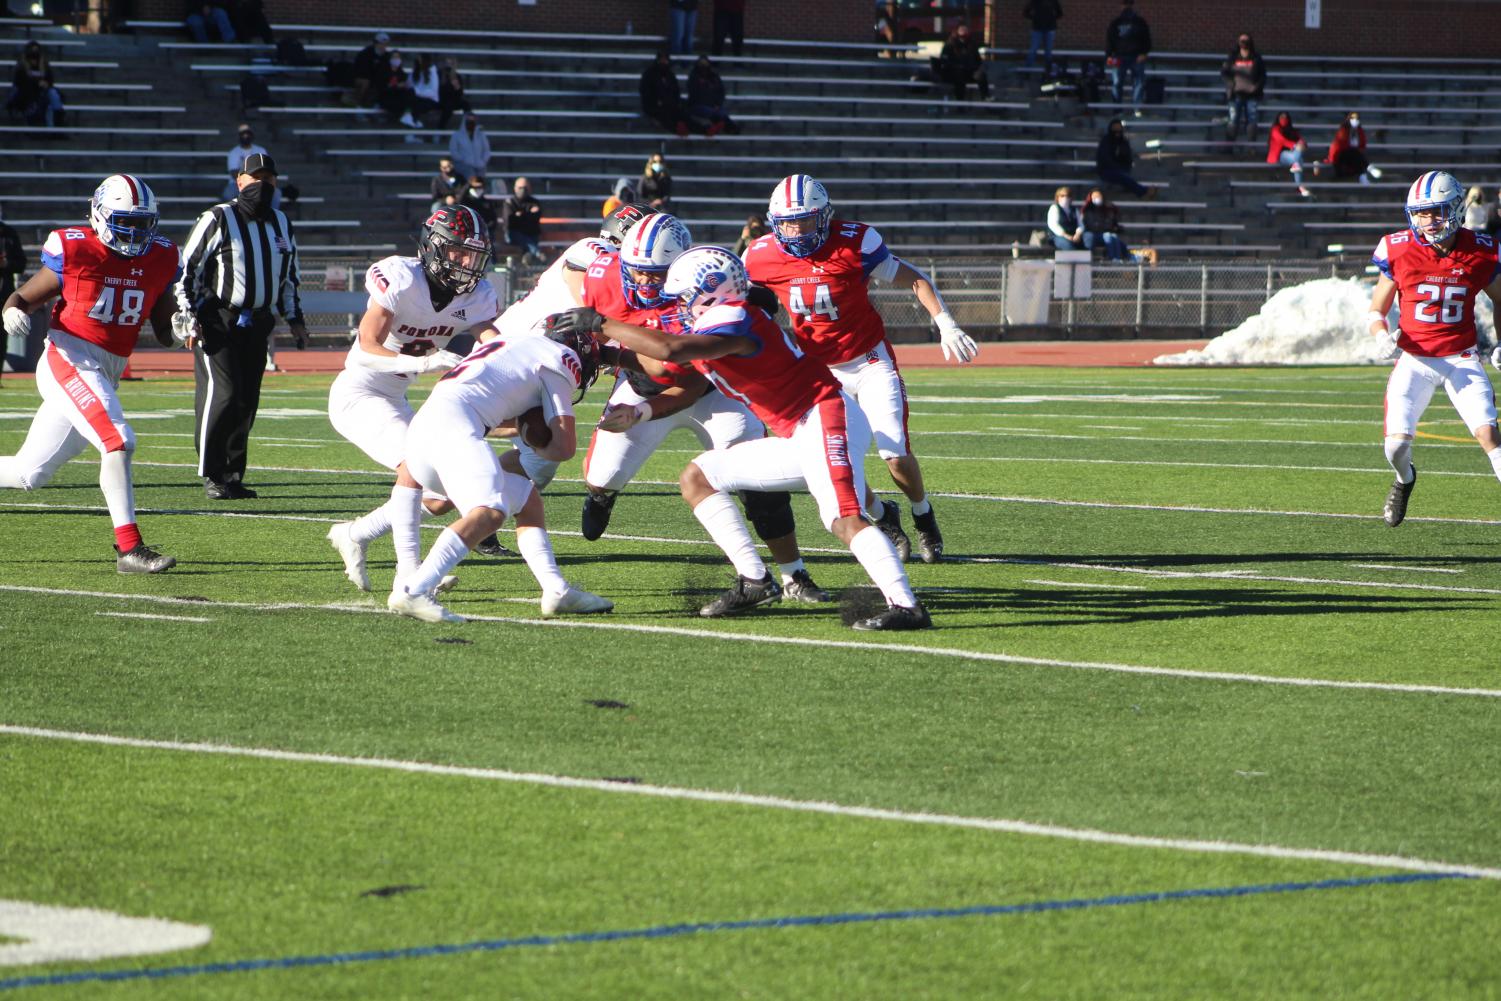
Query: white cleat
[(574, 601), (448, 583), (353, 554), (420, 606)]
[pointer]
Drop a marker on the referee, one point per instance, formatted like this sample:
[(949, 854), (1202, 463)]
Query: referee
[(239, 263)]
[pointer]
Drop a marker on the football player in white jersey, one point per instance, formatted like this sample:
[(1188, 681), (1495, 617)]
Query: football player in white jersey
[(417, 305), (447, 452)]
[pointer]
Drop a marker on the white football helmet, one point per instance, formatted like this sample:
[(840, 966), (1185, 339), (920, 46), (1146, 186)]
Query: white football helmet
[(651, 246), (1436, 189), (124, 214), (702, 278), (796, 198)]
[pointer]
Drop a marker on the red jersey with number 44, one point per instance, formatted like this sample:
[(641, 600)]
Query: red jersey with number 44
[(826, 293), (1436, 294), (780, 383), (106, 296)]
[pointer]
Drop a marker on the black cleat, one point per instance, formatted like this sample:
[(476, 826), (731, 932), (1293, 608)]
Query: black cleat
[(890, 522), (897, 617), (745, 595), (929, 538), (142, 559), (227, 490), (1396, 501), (239, 491), (597, 508), (491, 546), (802, 588)]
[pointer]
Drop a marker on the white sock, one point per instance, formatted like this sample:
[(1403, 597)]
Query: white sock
[(406, 514), (1495, 456), (878, 556), (788, 569), (372, 526), (535, 546), (10, 474), (721, 519), (443, 557), (114, 480), (922, 507), (1399, 457)]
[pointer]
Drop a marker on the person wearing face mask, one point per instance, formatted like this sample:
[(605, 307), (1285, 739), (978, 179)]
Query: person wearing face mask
[(1064, 224), (470, 147), (1102, 226), (1244, 73), (474, 195), (655, 186), (239, 267), (393, 91), (237, 154), (1347, 152), (522, 215), (1112, 160), (1285, 146), (447, 186)]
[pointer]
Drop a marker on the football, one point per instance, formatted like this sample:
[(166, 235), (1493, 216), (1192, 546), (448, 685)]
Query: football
[(533, 429)]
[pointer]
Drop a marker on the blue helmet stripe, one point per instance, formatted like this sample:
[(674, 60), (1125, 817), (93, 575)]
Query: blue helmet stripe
[(1428, 187), (654, 225)]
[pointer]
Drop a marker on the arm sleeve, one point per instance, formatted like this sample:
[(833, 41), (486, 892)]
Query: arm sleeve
[(202, 242), (873, 253)]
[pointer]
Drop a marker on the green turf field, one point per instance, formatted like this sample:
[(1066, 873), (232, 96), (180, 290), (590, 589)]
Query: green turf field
[(1194, 723)]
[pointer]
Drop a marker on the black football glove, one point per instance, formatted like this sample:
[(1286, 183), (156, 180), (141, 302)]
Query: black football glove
[(763, 298), (583, 321)]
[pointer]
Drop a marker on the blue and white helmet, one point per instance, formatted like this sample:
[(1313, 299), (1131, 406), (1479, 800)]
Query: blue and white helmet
[(702, 278), (800, 197), (1436, 189), (124, 214), (651, 246)]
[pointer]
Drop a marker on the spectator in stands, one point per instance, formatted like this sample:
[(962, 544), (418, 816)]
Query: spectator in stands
[(706, 100), (729, 22), (1044, 15), (1112, 160), (1285, 145), (1244, 73), (1102, 226), (661, 99), (754, 229), (236, 159), (1128, 42), (889, 27), (523, 219), (1477, 212), (200, 15), (1347, 152), (470, 147), (393, 92), (655, 186), (447, 186), (249, 19), (12, 259), (450, 92), (1064, 224), (34, 96), (424, 86), (682, 19), (623, 193), (370, 65), (959, 63), (476, 197)]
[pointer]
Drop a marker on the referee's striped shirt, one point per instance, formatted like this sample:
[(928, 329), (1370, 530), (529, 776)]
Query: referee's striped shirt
[(243, 263)]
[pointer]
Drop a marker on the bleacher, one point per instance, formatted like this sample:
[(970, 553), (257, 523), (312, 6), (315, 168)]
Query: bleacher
[(942, 179)]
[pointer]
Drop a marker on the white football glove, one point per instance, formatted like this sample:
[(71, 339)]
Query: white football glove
[(17, 322), (440, 361), (1388, 341), (184, 325), (624, 416), (1496, 357), (957, 345)]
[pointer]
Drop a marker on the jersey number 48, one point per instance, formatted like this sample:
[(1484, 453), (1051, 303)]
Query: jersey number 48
[(132, 300)]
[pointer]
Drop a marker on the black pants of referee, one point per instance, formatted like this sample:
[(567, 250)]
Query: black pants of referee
[(229, 362)]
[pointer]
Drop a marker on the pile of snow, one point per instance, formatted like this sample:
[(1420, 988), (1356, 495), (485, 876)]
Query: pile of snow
[(1321, 322)]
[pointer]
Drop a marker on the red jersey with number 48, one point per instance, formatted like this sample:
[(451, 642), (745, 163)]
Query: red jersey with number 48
[(780, 383), (106, 296), (603, 291), (1436, 294), (826, 293)]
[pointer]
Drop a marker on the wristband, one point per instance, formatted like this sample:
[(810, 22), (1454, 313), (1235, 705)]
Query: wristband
[(643, 412), (1375, 317), (944, 321)]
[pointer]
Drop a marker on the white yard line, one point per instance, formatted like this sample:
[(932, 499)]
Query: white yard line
[(147, 615), (998, 825), (1388, 566), (904, 649)]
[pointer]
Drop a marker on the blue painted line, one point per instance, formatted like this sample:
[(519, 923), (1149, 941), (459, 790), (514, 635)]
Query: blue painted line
[(672, 931)]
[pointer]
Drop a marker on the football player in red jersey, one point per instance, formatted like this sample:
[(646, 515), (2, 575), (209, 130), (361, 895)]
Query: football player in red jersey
[(821, 434), (821, 268), (1434, 268), (107, 278)]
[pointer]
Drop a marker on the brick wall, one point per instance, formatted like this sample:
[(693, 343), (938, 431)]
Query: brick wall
[(843, 20)]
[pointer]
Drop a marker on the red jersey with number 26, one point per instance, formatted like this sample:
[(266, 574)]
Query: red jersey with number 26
[(826, 293), (1436, 294), (779, 382), (106, 296)]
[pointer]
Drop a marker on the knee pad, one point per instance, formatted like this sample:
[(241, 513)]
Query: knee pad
[(770, 511)]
